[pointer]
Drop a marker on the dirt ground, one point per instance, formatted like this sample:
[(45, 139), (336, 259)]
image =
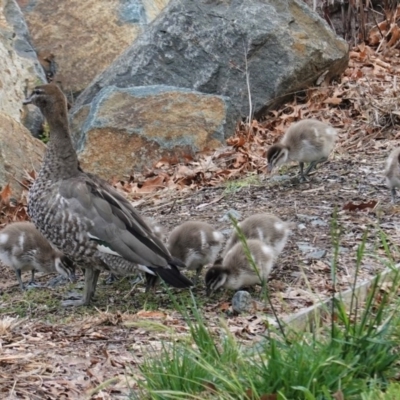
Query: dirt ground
[(47, 352)]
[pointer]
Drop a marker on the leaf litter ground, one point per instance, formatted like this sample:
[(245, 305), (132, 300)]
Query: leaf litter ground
[(47, 352)]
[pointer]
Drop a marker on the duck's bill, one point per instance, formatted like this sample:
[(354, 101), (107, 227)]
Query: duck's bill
[(270, 167), (26, 101)]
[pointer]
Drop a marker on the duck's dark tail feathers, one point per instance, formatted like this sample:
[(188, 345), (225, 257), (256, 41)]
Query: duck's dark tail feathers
[(172, 276)]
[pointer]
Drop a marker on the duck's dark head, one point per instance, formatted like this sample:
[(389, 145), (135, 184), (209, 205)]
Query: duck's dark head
[(49, 98), (215, 278), (66, 267), (276, 155)]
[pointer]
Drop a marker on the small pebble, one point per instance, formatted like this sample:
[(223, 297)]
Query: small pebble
[(316, 255), (235, 214), (242, 302)]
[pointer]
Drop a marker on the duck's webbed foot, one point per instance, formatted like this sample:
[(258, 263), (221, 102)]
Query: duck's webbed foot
[(393, 193), (151, 282), (91, 277)]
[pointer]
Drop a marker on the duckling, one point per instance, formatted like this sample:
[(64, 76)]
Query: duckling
[(195, 243), (392, 172), (236, 272), (267, 228), (24, 248), (305, 141)]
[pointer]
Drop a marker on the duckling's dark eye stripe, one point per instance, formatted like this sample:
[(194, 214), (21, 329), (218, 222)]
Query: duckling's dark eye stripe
[(276, 157)]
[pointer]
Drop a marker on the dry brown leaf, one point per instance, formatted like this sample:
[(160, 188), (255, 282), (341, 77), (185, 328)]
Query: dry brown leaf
[(359, 207), (151, 314), (5, 194), (236, 141), (224, 306)]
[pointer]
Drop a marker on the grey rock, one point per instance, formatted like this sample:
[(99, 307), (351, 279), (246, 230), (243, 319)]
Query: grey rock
[(343, 250), (311, 252), (227, 231), (83, 44), (316, 255), (131, 128), (231, 213), (315, 221), (203, 46), (21, 39), (242, 302), (319, 222), (279, 178), (24, 61), (306, 218), (305, 247)]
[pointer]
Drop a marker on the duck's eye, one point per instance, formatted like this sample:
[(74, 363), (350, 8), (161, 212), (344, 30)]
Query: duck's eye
[(38, 91)]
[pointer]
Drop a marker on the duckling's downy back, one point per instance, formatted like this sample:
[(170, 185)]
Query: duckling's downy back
[(196, 243), (24, 248), (309, 140), (392, 172), (267, 228), (236, 272)]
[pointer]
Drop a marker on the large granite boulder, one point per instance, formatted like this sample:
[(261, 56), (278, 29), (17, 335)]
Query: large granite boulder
[(203, 45), (126, 129), (20, 153), (20, 70), (82, 38), (19, 66)]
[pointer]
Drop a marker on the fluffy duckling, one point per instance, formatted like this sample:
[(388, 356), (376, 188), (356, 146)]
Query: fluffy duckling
[(267, 228), (305, 141), (195, 243), (24, 248), (392, 172), (236, 272)]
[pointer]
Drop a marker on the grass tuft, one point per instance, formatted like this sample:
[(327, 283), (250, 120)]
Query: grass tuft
[(355, 352)]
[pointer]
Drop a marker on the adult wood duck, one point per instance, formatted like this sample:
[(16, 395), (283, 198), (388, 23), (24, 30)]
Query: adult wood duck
[(86, 218)]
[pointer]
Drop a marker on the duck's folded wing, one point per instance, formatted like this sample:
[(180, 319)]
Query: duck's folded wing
[(124, 209), (115, 229)]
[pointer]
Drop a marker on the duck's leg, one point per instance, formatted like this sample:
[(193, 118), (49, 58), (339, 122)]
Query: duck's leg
[(302, 176), (393, 193), (32, 281), (197, 276), (18, 273), (91, 277), (95, 279), (314, 164), (151, 282)]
